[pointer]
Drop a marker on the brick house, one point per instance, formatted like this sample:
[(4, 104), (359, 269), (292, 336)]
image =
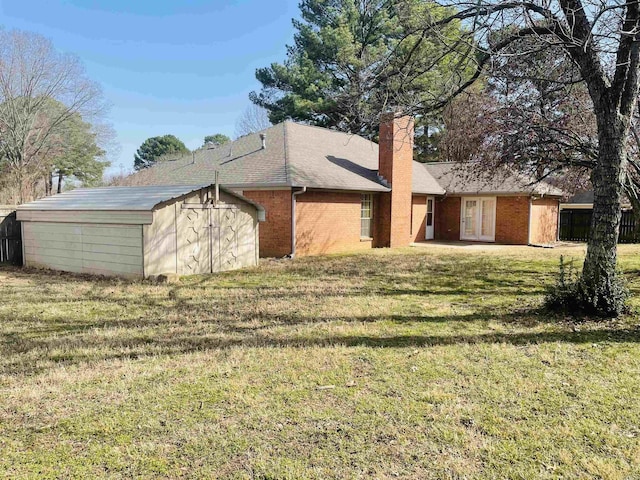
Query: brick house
[(326, 191), (506, 208)]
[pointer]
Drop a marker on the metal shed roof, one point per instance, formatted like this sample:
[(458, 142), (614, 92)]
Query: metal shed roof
[(140, 198)]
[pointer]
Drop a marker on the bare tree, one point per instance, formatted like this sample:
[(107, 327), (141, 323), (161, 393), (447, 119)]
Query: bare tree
[(601, 39), (470, 128), (33, 77), (253, 119), (529, 113)]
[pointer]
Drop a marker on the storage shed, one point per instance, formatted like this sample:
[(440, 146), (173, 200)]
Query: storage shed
[(141, 231)]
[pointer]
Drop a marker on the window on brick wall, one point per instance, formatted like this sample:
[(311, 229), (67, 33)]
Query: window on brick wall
[(366, 216)]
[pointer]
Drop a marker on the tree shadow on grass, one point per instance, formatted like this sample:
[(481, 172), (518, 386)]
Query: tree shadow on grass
[(381, 278), (139, 348), (75, 345), (176, 319), (232, 282), (228, 318)]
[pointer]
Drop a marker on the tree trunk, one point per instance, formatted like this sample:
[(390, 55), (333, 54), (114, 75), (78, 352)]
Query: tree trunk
[(48, 184), (21, 186), (599, 282), (60, 182)]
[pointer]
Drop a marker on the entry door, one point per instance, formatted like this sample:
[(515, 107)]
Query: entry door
[(469, 219), (429, 233), (478, 219)]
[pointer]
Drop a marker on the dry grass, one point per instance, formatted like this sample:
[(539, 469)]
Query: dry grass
[(418, 364)]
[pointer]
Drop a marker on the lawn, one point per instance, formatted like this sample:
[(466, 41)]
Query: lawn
[(417, 363)]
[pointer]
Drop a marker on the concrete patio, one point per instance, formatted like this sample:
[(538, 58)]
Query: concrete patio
[(462, 245)]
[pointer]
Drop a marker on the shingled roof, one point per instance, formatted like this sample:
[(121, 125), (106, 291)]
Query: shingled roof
[(582, 198), (295, 156), (240, 163), (465, 179)]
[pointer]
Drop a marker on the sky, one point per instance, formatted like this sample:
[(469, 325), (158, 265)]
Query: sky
[(181, 67)]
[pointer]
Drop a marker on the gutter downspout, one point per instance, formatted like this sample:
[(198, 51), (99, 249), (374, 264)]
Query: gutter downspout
[(530, 220), (559, 224), (22, 244), (293, 220)]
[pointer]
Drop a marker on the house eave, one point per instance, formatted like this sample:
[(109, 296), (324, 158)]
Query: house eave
[(429, 192), (502, 194), (342, 188)]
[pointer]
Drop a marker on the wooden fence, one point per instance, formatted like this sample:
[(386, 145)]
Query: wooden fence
[(575, 226), (10, 237)]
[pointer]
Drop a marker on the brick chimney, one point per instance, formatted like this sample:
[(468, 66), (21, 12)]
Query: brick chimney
[(393, 227)]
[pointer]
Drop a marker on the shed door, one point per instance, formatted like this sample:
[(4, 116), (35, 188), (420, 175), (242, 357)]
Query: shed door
[(229, 222), (194, 241)]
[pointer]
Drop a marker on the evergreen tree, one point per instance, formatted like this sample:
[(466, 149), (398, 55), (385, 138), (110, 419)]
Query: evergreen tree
[(339, 71), (216, 139), (153, 149), (81, 157)]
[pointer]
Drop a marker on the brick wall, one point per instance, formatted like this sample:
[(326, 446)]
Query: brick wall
[(328, 222), (396, 166), (275, 232), (447, 213), (418, 218), (382, 225), (544, 221), (512, 220)]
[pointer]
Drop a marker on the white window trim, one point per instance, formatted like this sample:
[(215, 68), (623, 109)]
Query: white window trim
[(370, 218)]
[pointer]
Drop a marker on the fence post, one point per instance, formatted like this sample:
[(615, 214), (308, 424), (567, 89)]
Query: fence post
[(10, 236)]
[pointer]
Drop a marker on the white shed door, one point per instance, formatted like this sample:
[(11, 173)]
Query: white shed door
[(194, 241), (229, 224)]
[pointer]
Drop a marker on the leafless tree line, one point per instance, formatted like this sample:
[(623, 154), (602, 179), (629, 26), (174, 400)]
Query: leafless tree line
[(253, 119), (41, 89)]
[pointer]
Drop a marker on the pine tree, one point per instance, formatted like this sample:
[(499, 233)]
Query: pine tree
[(154, 148), (339, 71)]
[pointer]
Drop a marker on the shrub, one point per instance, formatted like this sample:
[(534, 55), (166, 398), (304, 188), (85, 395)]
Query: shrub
[(576, 295)]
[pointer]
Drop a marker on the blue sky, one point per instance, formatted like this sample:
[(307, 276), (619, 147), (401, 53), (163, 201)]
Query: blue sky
[(180, 67)]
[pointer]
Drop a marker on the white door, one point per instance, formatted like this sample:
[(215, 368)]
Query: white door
[(228, 238), (429, 233), (487, 219), (478, 219), (469, 219), (194, 240)]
